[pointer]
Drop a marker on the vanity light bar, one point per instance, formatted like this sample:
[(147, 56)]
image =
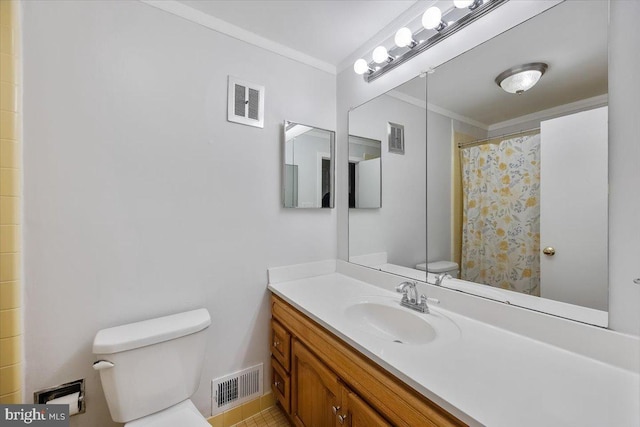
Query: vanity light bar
[(415, 44)]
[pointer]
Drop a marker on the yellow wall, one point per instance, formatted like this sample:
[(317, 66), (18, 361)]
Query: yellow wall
[(10, 165)]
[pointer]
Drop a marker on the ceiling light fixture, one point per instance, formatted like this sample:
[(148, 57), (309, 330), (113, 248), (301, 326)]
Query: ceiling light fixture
[(437, 24), (521, 78)]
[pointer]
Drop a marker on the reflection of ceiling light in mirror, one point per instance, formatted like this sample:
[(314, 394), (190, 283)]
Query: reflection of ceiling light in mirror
[(521, 78), (404, 37), (380, 55)]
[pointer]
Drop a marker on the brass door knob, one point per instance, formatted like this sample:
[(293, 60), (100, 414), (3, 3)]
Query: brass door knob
[(549, 251)]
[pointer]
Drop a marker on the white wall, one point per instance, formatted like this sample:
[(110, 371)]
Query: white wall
[(398, 227), (624, 240), (141, 199)]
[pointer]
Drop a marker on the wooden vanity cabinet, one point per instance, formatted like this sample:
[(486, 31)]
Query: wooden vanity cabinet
[(330, 384)]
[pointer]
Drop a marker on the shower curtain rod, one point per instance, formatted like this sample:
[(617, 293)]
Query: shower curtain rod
[(481, 141)]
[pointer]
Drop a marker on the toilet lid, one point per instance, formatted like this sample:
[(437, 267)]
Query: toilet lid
[(442, 266), (184, 414)]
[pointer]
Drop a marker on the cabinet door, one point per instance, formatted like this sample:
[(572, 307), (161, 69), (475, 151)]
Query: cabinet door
[(357, 413), (315, 390)]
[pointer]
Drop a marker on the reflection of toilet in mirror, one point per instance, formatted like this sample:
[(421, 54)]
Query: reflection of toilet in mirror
[(439, 267), (150, 369)]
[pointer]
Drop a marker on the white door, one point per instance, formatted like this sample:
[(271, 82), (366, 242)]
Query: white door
[(573, 208)]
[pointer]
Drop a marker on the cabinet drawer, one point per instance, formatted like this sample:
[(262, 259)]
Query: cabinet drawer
[(281, 385), (281, 344)]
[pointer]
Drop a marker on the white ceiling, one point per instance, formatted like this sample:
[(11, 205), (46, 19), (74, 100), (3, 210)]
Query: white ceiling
[(329, 30)]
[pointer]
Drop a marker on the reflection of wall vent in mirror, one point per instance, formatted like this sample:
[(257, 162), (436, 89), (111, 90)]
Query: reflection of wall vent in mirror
[(245, 103), (395, 133)]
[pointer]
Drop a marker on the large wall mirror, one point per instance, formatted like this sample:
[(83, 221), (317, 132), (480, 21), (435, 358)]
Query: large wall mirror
[(387, 221), (517, 184), (308, 166)]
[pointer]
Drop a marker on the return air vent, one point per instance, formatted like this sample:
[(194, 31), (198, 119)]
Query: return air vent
[(396, 138), (234, 389), (245, 103)]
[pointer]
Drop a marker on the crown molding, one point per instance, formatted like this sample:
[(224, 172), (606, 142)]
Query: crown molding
[(572, 107), (436, 109), (198, 17)]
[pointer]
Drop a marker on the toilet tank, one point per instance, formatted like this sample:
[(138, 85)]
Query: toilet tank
[(156, 363)]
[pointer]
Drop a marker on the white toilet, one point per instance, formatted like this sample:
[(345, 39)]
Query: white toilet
[(150, 369), (438, 267)]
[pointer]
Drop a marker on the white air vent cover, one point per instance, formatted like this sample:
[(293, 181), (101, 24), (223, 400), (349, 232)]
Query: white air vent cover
[(234, 389), (245, 103)]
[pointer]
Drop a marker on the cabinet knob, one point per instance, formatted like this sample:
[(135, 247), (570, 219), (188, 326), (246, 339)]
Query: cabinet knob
[(549, 251), (342, 418), (276, 343), (276, 384), (335, 409)]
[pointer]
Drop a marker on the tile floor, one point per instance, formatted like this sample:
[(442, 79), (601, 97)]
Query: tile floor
[(272, 417)]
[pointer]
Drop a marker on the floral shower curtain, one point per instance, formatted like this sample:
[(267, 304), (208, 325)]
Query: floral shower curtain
[(501, 219)]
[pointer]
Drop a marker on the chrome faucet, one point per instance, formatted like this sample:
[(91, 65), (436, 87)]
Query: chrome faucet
[(410, 297), (440, 277)]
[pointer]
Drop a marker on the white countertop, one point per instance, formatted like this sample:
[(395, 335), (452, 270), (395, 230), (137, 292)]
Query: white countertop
[(483, 374)]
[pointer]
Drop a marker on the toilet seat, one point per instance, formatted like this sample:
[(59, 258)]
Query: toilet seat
[(183, 414)]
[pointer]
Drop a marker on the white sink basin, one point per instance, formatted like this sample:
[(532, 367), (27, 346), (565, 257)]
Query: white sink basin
[(387, 320)]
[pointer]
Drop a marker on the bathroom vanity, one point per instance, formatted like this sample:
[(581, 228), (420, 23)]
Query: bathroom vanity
[(345, 352), (319, 379)]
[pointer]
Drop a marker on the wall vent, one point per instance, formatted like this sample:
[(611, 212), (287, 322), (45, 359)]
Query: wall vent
[(395, 132), (245, 103), (234, 389)]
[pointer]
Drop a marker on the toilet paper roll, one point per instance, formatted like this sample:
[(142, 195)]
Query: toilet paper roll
[(69, 399)]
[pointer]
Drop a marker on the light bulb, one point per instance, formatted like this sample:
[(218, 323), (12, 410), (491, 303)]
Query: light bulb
[(461, 4), (432, 18), (360, 66), (404, 37), (380, 54)]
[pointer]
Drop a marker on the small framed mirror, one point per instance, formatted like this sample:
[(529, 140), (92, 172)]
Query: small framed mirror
[(308, 166)]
